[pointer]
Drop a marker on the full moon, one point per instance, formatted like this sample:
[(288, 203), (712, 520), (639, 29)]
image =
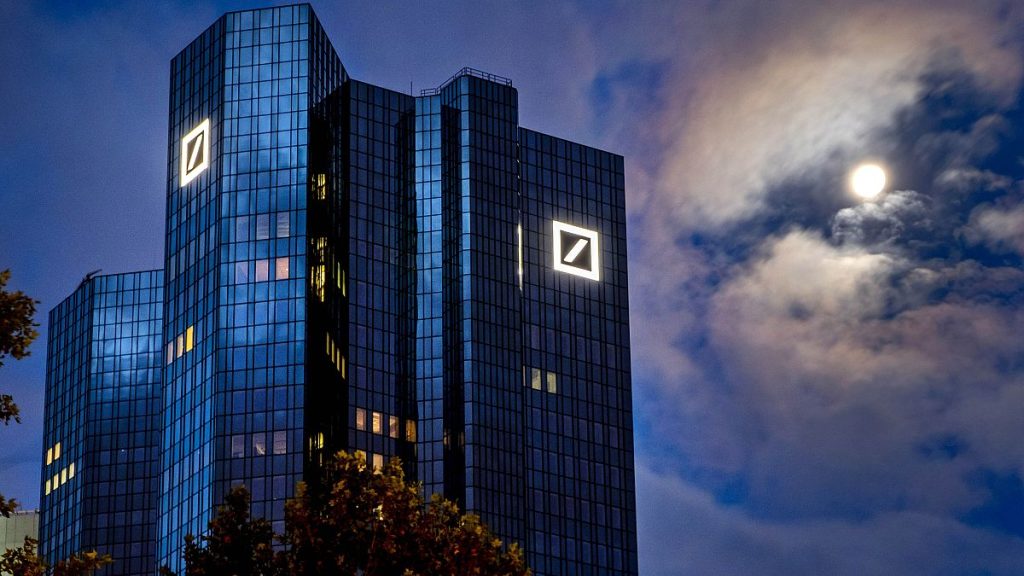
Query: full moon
[(868, 181)]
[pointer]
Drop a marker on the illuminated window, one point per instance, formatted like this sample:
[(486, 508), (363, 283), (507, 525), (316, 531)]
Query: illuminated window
[(281, 268), (410, 430), (49, 456), (360, 419), (56, 451), (552, 382), (262, 270), (237, 446), (377, 417), (179, 345), (535, 378), (280, 442), (170, 352), (63, 476), (46, 488), (259, 444), (282, 225), (320, 183), (189, 338), (393, 426), (56, 480), (71, 471), (378, 462)]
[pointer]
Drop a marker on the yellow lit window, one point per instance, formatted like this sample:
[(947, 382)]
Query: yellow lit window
[(320, 183), (342, 367), (552, 382), (49, 456), (535, 378), (281, 268), (71, 471), (56, 451), (46, 489), (189, 338), (360, 419), (63, 476), (410, 430), (393, 426), (377, 417), (378, 462)]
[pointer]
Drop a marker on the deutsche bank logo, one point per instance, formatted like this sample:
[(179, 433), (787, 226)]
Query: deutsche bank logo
[(195, 152), (576, 250)]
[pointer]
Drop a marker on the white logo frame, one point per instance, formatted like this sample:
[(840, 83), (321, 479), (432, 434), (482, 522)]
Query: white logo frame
[(203, 131), (563, 262)]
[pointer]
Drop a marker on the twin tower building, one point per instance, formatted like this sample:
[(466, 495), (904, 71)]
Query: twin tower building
[(350, 267)]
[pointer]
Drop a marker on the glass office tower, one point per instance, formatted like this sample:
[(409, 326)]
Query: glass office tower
[(101, 428), (239, 402), (351, 267)]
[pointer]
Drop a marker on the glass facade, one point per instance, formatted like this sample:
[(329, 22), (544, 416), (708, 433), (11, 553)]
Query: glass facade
[(351, 267), (237, 342), (101, 431)]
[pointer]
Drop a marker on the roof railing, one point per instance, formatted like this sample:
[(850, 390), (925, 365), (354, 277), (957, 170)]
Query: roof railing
[(467, 71)]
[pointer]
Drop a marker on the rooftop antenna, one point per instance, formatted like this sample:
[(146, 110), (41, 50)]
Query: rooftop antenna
[(89, 276)]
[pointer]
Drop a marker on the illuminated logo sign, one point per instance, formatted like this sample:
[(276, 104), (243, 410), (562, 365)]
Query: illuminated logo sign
[(576, 250), (195, 152)]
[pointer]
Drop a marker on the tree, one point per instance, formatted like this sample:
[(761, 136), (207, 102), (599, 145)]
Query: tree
[(355, 521), (17, 331), (236, 544)]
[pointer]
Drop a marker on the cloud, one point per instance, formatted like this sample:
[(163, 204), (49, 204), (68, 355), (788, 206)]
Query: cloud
[(883, 222), (702, 537), (780, 90), (999, 229)]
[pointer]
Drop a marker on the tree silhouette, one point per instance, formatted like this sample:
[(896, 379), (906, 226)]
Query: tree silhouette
[(353, 521), (17, 331)]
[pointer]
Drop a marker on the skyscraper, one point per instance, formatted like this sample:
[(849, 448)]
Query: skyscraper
[(102, 418), (351, 267)]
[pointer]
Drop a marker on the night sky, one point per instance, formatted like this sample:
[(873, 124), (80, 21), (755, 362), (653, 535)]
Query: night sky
[(822, 384)]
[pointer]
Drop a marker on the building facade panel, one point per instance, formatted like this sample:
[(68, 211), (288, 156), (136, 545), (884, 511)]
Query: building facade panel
[(102, 422), (576, 374), (237, 395)]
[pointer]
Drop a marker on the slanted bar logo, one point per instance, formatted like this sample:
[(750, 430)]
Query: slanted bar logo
[(576, 250), (195, 152)]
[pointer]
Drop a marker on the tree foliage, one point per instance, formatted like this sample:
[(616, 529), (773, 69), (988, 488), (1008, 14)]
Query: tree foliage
[(25, 561), (17, 331), (236, 543), (353, 521)]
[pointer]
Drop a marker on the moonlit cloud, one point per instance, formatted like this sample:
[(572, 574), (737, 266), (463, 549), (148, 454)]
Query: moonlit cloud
[(833, 385)]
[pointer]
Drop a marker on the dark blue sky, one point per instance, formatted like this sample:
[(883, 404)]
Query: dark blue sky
[(822, 385)]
